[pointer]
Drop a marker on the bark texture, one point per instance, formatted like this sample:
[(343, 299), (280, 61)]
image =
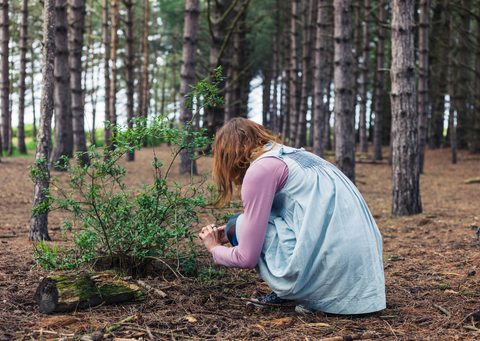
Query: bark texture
[(77, 24), (319, 82), (129, 61), (451, 93), (113, 59), (106, 61), (475, 143), (364, 88), (187, 75), (294, 80), (5, 77), (343, 74), (146, 89), (63, 141), (39, 223), (285, 117), (405, 173), (21, 82), (380, 85), (423, 83)]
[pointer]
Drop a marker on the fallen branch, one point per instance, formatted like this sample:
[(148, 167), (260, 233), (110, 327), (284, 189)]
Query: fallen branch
[(149, 287), (8, 236), (41, 331), (441, 309), (118, 325), (471, 328)]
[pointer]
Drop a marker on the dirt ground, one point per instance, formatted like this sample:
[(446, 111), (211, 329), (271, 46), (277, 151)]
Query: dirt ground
[(420, 253)]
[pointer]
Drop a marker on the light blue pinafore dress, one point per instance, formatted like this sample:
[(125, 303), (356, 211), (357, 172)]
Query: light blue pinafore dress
[(322, 247)]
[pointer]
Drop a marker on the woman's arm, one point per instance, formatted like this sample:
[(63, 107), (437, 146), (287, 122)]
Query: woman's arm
[(262, 180)]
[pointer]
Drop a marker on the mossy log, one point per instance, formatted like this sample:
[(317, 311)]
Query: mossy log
[(69, 292)]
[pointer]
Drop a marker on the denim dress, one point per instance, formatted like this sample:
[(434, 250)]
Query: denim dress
[(322, 247)]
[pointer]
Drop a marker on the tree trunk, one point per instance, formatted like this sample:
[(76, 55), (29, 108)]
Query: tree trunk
[(462, 89), (267, 84), (295, 93), (405, 172), (106, 61), (380, 84), (423, 83), (162, 100), (174, 79), (328, 88), (321, 51), (71, 292), (5, 80), (187, 75), (475, 143), (343, 74), (274, 115), (357, 29), (77, 23), (129, 61), (39, 222), (301, 132), (140, 76), (364, 88), (288, 66), (451, 90), (21, 82), (146, 88), (34, 130), (113, 58), (63, 133), (87, 53)]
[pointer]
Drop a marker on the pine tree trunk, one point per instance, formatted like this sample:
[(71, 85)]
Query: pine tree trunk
[(274, 115), (113, 58), (343, 74), (321, 51), (405, 172), (301, 132), (106, 61), (357, 29), (39, 223), (475, 143), (32, 77), (187, 76), (146, 88), (63, 133), (294, 81), (364, 88), (380, 84), (451, 91), (87, 54), (288, 66), (140, 76), (174, 79), (77, 23), (462, 89), (328, 88), (21, 82), (130, 59), (423, 83), (162, 100), (267, 84), (5, 79)]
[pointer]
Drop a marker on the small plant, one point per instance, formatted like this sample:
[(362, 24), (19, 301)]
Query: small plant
[(209, 275), (123, 226)]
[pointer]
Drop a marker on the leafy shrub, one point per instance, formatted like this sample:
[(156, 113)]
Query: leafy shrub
[(123, 226)]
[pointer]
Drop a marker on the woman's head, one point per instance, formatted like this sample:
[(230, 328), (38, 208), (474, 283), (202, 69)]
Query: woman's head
[(235, 142)]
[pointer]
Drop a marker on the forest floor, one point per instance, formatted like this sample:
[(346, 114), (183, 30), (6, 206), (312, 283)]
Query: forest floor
[(420, 253)]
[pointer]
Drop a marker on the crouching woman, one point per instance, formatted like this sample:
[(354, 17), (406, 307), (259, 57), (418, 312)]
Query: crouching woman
[(305, 228)]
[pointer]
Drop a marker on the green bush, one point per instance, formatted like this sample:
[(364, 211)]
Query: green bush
[(125, 227)]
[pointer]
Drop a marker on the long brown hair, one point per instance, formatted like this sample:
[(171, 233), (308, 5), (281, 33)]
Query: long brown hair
[(235, 143)]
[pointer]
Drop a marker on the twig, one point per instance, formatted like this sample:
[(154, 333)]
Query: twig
[(441, 309), (50, 332), (164, 333), (149, 287), (118, 325), (150, 335), (471, 328), (8, 236)]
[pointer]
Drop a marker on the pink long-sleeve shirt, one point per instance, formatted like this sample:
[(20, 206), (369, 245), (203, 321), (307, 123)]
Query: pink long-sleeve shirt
[(262, 180)]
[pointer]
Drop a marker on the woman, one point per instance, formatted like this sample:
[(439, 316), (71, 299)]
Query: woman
[(305, 228)]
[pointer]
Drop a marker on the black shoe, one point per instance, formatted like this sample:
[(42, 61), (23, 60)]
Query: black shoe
[(270, 300)]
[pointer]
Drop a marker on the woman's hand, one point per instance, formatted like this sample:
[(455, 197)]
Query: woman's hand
[(213, 236)]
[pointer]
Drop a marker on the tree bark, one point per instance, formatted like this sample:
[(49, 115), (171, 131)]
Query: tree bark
[(129, 61), (364, 88), (267, 84), (328, 88), (357, 29), (405, 172), (106, 62), (343, 74), (380, 84), (475, 143), (423, 83), (32, 77), (321, 51), (187, 75), (462, 93), (146, 88), (174, 79), (21, 82), (5, 77), (295, 93), (63, 141), (451, 92), (288, 66), (274, 114), (39, 223), (113, 58), (77, 23)]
